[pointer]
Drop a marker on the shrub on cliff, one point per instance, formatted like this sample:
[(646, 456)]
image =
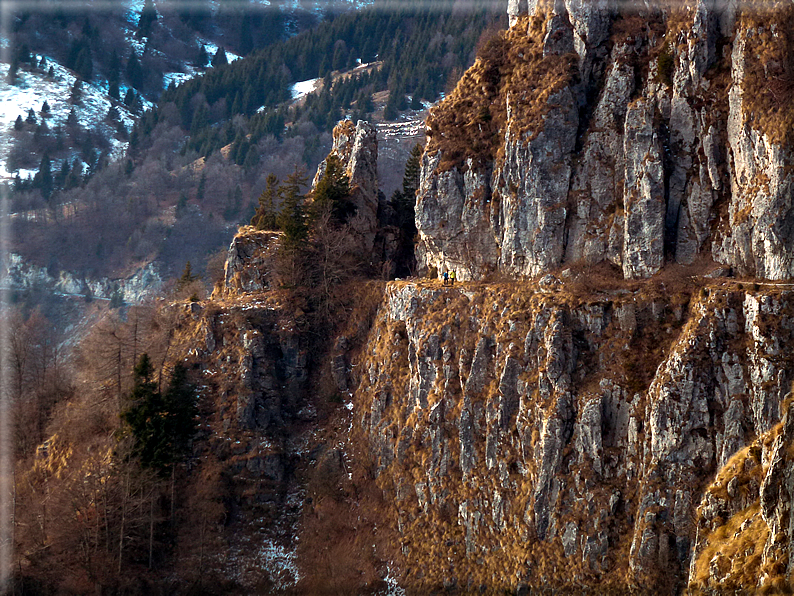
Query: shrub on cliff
[(332, 192)]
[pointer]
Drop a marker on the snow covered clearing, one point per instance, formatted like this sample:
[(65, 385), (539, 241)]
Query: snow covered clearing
[(34, 88), (303, 88), (212, 49)]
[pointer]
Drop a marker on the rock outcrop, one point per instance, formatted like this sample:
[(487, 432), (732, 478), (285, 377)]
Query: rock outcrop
[(251, 367), (531, 431), (356, 146), (745, 522), (250, 261), (589, 134), (19, 275)]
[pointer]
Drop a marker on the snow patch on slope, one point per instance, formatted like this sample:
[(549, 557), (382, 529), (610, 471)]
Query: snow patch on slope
[(303, 88), (34, 88)]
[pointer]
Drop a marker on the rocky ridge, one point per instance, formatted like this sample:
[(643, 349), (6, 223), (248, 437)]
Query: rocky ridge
[(19, 275), (356, 146)]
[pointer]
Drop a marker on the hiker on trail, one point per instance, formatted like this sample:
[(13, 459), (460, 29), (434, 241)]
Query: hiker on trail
[(446, 278), (452, 278)]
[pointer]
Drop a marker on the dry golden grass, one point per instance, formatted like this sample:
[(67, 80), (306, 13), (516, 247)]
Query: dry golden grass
[(471, 123), (735, 548), (769, 73), (732, 557)]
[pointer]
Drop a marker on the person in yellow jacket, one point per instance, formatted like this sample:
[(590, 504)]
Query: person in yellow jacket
[(452, 278)]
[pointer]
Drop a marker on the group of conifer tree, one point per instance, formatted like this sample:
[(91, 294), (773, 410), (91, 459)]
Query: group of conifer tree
[(308, 220), (161, 423), (283, 207), (418, 50)]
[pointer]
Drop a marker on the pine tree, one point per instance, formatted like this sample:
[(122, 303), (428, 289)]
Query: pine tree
[(148, 17), (129, 97), (134, 72), (404, 201), (45, 108), (77, 92), (161, 424), (201, 186), (43, 178), (142, 414), (18, 123), (187, 276), (75, 177), (31, 119), (114, 68), (84, 66), (203, 57), (251, 158), (63, 174), (413, 170), (390, 111), (180, 405), (333, 191), (220, 58), (292, 216), (265, 216)]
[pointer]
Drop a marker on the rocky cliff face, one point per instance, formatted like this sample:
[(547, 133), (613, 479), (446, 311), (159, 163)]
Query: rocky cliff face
[(249, 261), (547, 440), (252, 372), (19, 275), (641, 136), (540, 435)]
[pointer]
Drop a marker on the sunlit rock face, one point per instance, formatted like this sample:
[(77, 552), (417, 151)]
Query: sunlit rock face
[(356, 146), (657, 142), (574, 434)]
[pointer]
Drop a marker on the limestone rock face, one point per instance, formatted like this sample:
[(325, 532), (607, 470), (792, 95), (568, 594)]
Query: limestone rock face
[(21, 275), (643, 194), (761, 232), (634, 161), (516, 8), (356, 145), (249, 261), (454, 227), (531, 221), (514, 412)]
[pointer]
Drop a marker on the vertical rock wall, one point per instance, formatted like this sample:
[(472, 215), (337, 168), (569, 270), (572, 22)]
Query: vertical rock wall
[(530, 432), (655, 119)]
